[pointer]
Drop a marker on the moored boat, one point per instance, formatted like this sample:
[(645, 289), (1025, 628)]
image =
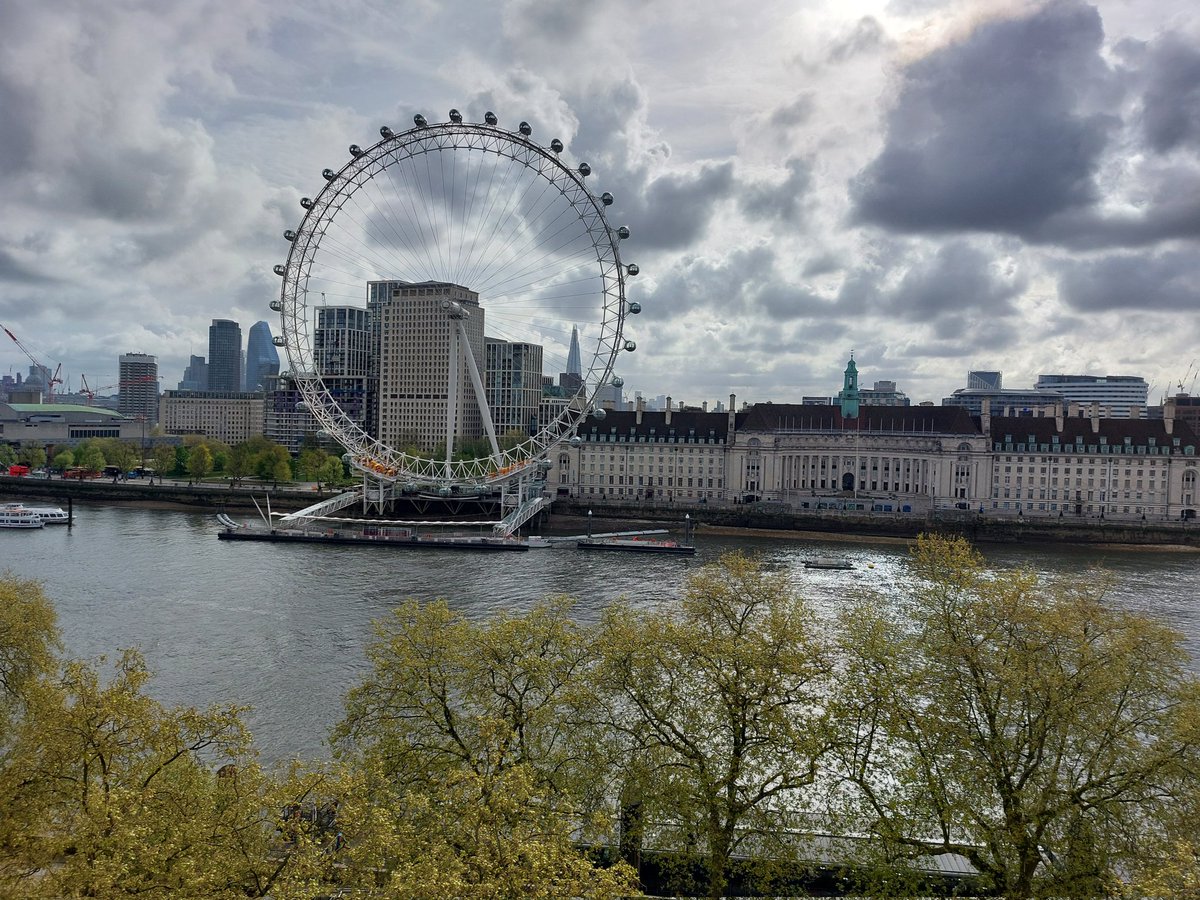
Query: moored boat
[(14, 516), (50, 515), (636, 545), (827, 562)]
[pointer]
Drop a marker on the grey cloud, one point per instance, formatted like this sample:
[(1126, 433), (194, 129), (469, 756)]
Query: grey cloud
[(721, 287), (782, 201), (792, 114), (986, 133), (956, 279), (674, 210), (1166, 281), (1171, 102)]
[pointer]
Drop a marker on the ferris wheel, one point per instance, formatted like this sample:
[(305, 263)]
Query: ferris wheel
[(483, 267)]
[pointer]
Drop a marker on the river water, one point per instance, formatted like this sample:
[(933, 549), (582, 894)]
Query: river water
[(282, 628)]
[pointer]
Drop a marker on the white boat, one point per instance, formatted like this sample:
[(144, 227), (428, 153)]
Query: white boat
[(18, 517), (50, 515)]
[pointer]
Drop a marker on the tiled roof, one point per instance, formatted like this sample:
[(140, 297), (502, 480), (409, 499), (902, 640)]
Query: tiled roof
[(814, 417), (694, 422), (1115, 432)]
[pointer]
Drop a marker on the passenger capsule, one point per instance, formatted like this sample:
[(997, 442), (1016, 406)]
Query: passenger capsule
[(635, 308), (386, 133), (623, 232), (618, 381), (606, 198), (356, 151), (490, 118), (525, 129), (276, 306), (306, 202), (278, 340), (328, 174), (630, 346), (576, 441), (599, 414), (301, 405), (556, 145), (280, 270), (289, 236), (419, 121), (632, 269), (585, 170), (455, 117)]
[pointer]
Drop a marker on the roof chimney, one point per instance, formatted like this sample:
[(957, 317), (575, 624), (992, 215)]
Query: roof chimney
[(1169, 415), (668, 415), (1095, 417), (641, 406), (1058, 416), (732, 416), (985, 415)]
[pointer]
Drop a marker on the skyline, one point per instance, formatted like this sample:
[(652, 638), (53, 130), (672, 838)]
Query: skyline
[(800, 181)]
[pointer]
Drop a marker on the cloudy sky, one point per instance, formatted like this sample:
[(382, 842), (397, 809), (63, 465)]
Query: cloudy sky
[(938, 186)]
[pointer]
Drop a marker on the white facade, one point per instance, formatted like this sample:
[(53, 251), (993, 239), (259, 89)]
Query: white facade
[(138, 388), (1117, 395)]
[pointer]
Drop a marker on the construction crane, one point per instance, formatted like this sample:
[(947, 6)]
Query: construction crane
[(91, 392), (51, 380), (1187, 388)]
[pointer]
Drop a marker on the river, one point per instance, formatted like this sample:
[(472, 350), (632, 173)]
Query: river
[(281, 628)]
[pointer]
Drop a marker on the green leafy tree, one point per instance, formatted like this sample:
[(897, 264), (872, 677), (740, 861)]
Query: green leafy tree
[(1030, 728), (333, 471), (199, 462), (309, 463), (121, 454), (164, 459), (34, 457), (90, 457), (29, 641), (8, 456), (64, 459), (241, 462), (720, 703)]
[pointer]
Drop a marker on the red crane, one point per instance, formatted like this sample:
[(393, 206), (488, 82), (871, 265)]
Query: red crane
[(51, 380), (91, 392)]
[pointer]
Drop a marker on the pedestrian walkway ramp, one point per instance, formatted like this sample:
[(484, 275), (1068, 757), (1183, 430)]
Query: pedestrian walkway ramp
[(322, 508)]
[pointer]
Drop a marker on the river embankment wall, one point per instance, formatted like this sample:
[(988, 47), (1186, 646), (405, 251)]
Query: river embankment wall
[(973, 526)]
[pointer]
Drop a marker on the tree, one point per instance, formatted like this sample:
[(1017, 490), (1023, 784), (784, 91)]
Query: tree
[(90, 457), (29, 640), (34, 457), (1027, 727), (164, 459), (199, 462), (473, 758), (121, 454), (240, 463), (8, 455), (720, 703), (109, 793), (64, 460), (333, 471)]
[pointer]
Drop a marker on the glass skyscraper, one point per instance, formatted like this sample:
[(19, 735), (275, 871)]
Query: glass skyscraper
[(262, 359), (224, 356)]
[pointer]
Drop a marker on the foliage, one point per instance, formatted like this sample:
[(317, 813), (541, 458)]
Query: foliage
[(8, 456), (64, 460), (333, 471), (34, 457), (1028, 727), (88, 455), (29, 640), (164, 460), (199, 461), (720, 705)]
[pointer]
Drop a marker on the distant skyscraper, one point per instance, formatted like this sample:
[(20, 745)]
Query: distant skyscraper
[(262, 359), (138, 388), (195, 376), (984, 381), (225, 356), (571, 381)]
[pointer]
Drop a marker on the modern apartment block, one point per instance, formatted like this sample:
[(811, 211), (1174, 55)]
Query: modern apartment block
[(138, 388), (224, 356), (513, 384)]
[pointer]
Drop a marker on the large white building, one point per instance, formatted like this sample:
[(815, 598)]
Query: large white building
[(1118, 396), (417, 385), (138, 388), (229, 416), (1060, 461)]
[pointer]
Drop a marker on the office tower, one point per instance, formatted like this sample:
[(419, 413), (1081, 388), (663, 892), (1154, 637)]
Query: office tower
[(415, 334), (225, 356), (138, 387), (262, 359), (513, 384), (984, 381), (195, 376)]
